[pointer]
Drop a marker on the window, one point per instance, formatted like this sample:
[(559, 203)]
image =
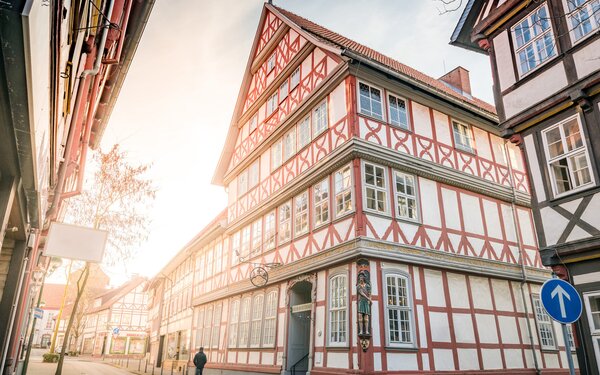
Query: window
[(208, 317), (285, 222), (216, 326), (301, 213), (242, 183), (406, 196), (592, 304), (253, 174), (272, 104), (256, 236), (370, 101), (343, 190), (319, 119), (398, 312), (244, 322), (534, 41), (245, 245), (253, 123), (295, 78), (218, 257), (583, 17), (567, 157), (270, 318), (276, 155), (270, 230), (303, 130), (462, 136), (321, 192), (283, 90), (544, 324), (271, 63), (289, 144), (233, 323), (375, 189), (398, 113), (338, 310), (235, 246), (257, 312)]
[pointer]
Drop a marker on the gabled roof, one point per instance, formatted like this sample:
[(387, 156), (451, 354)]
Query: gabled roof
[(322, 36), (110, 297), (461, 36)]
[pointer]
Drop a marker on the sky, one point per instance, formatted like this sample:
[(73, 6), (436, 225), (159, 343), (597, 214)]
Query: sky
[(177, 101)]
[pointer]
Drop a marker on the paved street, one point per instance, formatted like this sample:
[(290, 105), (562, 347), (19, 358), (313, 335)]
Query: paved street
[(72, 366)]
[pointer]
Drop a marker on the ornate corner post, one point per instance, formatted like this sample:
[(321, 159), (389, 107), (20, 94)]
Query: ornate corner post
[(363, 291)]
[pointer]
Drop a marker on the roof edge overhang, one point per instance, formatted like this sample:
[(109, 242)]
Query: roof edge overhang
[(461, 36)]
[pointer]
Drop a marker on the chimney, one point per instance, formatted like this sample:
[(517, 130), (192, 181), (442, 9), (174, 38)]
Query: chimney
[(458, 79)]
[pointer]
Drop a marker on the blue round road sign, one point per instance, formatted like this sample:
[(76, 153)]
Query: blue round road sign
[(561, 301), (116, 330)]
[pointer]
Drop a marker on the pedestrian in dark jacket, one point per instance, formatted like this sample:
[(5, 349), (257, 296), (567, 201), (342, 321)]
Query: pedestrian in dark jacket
[(200, 361)]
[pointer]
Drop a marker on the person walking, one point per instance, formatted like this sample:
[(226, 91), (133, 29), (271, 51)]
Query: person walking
[(200, 361)]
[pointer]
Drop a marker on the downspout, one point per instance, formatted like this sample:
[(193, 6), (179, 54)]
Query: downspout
[(53, 211), (117, 58), (524, 279)]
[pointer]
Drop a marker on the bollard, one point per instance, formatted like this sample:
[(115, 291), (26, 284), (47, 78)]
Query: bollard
[(139, 364)]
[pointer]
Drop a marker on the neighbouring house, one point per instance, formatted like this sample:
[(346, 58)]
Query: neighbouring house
[(51, 301), (377, 222), (545, 63)]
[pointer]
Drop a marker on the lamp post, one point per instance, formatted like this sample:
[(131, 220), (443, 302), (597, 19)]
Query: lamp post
[(40, 274)]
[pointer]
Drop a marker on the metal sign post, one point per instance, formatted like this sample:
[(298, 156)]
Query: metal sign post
[(562, 302)]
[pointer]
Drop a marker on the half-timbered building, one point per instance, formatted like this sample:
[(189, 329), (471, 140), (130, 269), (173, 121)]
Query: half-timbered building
[(546, 70), (376, 222)]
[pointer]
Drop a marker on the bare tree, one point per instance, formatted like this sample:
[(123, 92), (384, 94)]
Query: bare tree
[(115, 199), (448, 6)]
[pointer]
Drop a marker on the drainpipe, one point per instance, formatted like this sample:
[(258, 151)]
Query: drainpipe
[(53, 211), (524, 279), (117, 58)]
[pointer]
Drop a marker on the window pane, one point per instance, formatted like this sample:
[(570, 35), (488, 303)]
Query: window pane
[(595, 311)]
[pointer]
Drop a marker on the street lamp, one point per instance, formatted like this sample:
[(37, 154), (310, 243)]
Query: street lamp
[(39, 277)]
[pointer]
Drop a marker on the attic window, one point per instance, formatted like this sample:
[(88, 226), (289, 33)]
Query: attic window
[(271, 63)]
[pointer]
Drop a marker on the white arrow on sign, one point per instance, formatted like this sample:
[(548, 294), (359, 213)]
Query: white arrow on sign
[(561, 294)]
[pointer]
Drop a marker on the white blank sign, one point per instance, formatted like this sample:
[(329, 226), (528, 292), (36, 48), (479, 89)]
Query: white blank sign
[(75, 242)]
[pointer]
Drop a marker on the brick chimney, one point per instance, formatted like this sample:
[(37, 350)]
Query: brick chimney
[(458, 78)]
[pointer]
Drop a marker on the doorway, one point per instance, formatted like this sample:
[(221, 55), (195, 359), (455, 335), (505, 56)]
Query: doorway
[(299, 324)]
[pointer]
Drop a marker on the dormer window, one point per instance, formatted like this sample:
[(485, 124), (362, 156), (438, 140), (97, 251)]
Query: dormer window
[(583, 17), (534, 40)]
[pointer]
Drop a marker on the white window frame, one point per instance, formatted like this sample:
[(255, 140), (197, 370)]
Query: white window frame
[(289, 144), (276, 154), (387, 308), (321, 198), (370, 112), (271, 62), (208, 319), (375, 188), (566, 155), (594, 18), (236, 246), (344, 192), (532, 42), (303, 130), (244, 322), (216, 326), (256, 243), (544, 324), (406, 114), (284, 90), (320, 119), (234, 316), (595, 333), (253, 174), (272, 104), (253, 123), (245, 244), (242, 180), (301, 210), (337, 310), (199, 327), (398, 194), (460, 138), (270, 230), (284, 234), (270, 319), (258, 302), (295, 78)]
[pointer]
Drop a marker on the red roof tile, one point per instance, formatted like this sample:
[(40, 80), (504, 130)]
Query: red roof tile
[(334, 38)]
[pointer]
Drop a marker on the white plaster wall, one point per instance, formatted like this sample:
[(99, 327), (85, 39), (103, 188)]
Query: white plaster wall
[(402, 361), (232, 192), (435, 288), (337, 103), (443, 359), (486, 327), (554, 225), (492, 219), (513, 358), (482, 143), (480, 290), (471, 214), (586, 59), (527, 234), (306, 66), (337, 360), (498, 149), (440, 329), (320, 326), (268, 358), (509, 223), (421, 120), (442, 129), (536, 90), (534, 169), (467, 359), (254, 358), (504, 62), (463, 328), (451, 214), (502, 296), (429, 202), (508, 330), (457, 285), (422, 328), (492, 359)]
